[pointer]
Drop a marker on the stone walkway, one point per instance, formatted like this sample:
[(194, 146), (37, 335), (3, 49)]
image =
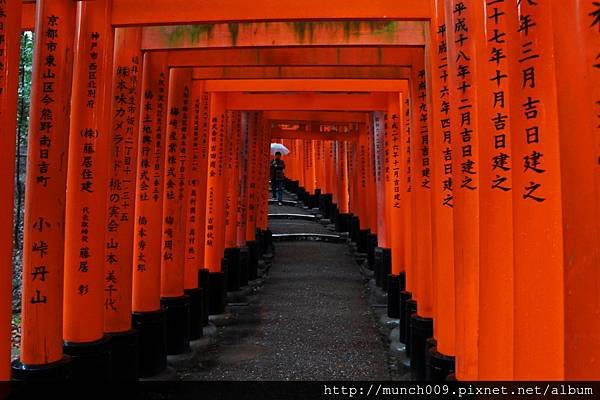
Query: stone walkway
[(310, 321)]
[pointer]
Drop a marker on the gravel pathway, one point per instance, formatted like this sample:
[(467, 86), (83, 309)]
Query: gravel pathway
[(311, 321)]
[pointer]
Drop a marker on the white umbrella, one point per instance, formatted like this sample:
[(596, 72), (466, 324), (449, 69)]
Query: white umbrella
[(278, 147)]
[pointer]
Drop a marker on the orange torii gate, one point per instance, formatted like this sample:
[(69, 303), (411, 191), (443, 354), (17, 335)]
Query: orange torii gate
[(493, 199)]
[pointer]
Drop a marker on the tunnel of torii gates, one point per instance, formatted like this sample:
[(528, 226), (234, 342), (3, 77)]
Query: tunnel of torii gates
[(458, 142)]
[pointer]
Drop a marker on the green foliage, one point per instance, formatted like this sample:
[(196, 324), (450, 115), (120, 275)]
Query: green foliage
[(23, 102), (25, 82)]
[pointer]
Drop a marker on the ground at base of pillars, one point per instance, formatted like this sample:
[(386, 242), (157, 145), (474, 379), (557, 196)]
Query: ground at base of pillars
[(311, 321)]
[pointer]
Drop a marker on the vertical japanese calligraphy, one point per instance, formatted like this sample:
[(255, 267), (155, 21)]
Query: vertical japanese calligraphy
[(43, 247), (395, 195), (118, 252), (536, 187), (175, 184), (441, 186), (147, 252), (463, 26), (496, 202), (215, 212), (89, 143), (377, 119)]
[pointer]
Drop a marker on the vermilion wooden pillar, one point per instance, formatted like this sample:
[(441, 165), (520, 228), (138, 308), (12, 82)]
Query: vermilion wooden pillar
[(395, 195), (539, 268), (354, 203), (407, 176), (43, 249), (382, 252), (299, 170), (319, 166), (301, 163), (10, 29), (252, 184), (371, 195), (577, 42), (406, 194), (362, 163), (463, 28), (442, 357), (148, 317), (87, 182), (201, 118), (194, 214), (265, 170), (175, 198), (330, 177), (215, 211), (118, 248), (290, 163), (393, 137), (422, 322), (310, 176), (232, 167), (342, 176), (496, 297), (383, 133), (242, 207), (377, 122)]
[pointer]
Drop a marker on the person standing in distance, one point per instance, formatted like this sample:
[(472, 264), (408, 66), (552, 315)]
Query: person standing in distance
[(277, 177)]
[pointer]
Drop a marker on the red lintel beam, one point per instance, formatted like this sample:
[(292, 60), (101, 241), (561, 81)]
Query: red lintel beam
[(307, 56), (160, 12), (306, 85), (277, 133), (307, 101), (323, 116), (268, 34), (302, 72)]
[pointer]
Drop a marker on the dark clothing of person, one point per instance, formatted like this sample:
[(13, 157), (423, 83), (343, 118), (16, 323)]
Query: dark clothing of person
[(277, 167), (277, 176)]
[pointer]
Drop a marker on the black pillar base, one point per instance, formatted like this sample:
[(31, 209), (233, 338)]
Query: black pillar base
[(252, 260), (152, 339), (363, 241), (371, 245), (440, 366), (421, 329), (196, 297), (393, 296), (204, 284), (343, 222), (402, 280), (326, 200), (125, 357), (378, 265), (404, 297), (244, 264), (335, 214), (316, 199), (267, 241), (177, 310), (218, 293), (411, 308), (90, 360), (354, 227), (59, 371), (260, 243), (234, 270), (386, 268), (302, 195)]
